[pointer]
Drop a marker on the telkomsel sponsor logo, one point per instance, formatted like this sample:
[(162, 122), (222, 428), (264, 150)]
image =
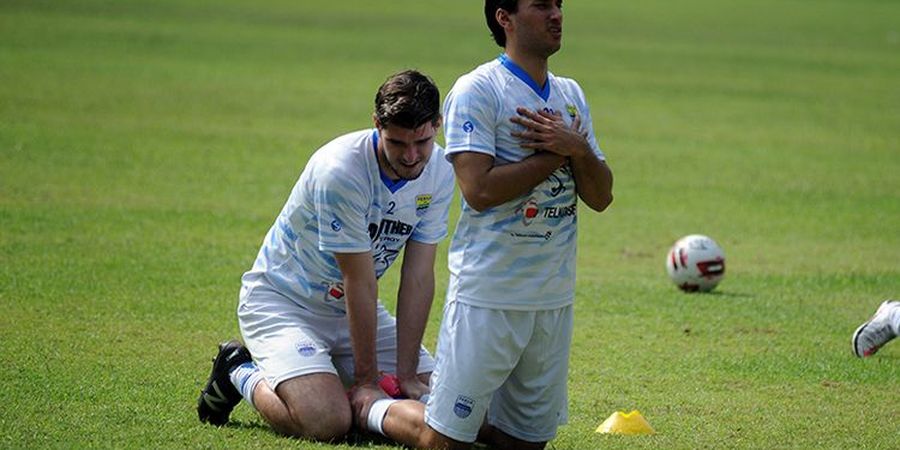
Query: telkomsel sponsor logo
[(558, 212)]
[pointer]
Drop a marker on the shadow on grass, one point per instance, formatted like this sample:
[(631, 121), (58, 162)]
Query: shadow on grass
[(248, 425), (353, 439), (729, 294)]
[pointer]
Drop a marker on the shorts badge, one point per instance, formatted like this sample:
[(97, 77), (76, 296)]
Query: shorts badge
[(306, 349), (463, 406)]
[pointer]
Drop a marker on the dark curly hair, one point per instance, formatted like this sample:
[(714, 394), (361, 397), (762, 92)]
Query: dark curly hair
[(407, 99)]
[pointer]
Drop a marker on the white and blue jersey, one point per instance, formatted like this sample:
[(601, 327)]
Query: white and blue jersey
[(342, 203), (519, 255)]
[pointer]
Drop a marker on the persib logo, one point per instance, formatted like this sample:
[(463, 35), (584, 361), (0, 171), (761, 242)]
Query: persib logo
[(463, 406), (306, 349), (422, 203)]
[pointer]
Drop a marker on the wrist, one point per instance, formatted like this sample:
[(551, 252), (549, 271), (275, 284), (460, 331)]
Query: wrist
[(406, 373), (582, 151), (366, 377)]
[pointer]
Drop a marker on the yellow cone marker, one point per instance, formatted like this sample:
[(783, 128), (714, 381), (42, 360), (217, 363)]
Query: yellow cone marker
[(621, 423)]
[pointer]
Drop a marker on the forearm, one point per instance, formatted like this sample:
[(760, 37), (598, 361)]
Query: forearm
[(361, 290), (361, 306), (496, 185), (593, 180), (413, 305), (548, 131)]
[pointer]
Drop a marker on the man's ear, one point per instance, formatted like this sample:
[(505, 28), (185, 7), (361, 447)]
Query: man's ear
[(502, 17)]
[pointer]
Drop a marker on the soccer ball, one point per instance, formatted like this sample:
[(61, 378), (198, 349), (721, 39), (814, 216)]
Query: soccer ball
[(696, 263)]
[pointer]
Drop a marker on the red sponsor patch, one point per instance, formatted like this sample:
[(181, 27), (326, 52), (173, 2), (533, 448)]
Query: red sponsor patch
[(336, 291)]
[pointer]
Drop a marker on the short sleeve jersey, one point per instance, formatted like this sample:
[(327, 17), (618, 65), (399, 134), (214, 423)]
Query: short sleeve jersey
[(343, 203), (519, 255)]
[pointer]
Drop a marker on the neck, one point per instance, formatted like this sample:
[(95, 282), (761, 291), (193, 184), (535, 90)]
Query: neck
[(386, 168), (534, 66)]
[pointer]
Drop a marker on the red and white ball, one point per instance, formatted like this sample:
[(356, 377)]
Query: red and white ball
[(696, 263)]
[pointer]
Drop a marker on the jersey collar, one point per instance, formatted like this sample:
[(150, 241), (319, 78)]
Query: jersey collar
[(520, 73), (392, 185)]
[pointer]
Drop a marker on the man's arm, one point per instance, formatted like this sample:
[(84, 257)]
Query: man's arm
[(413, 304), (361, 290), (593, 181), (593, 178), (485, 185)]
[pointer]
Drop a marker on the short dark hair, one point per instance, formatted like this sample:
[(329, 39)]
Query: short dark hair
[(490, 15), (407, 99)]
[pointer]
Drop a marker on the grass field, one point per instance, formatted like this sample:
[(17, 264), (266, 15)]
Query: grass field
[(146, 147)]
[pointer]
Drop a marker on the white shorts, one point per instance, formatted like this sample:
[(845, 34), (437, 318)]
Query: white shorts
[(512, 365), (287, 341)]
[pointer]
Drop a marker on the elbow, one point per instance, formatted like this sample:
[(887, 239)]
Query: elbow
[(477, 206), (606, 202), (600, 204), (478, 202)]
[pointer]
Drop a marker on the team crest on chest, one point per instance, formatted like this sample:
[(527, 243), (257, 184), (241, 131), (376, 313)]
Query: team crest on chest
[(423, 201)]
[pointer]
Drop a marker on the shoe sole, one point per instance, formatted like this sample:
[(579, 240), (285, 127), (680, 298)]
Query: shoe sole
[(856, 335)]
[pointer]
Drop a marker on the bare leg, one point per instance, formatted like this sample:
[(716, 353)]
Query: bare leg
[(404, 422), (311, 406)]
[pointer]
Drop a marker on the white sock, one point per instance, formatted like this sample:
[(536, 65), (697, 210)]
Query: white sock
[(245, 377), (376, 414)]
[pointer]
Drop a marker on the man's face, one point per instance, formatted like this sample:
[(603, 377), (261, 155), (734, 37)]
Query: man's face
[(403, 153), (538, 26)]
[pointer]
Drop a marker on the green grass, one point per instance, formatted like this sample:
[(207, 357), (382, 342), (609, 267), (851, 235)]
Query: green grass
[(145, 148)]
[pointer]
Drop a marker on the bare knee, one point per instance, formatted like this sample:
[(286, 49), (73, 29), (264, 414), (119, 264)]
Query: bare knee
[(316, 408), (316, 423)]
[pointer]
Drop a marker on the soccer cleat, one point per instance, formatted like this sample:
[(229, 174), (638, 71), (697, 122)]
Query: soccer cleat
[(219, 396), (876, 332)]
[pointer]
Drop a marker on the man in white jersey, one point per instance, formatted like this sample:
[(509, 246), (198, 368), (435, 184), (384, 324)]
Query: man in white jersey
[(308, 310), (523, 148)]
